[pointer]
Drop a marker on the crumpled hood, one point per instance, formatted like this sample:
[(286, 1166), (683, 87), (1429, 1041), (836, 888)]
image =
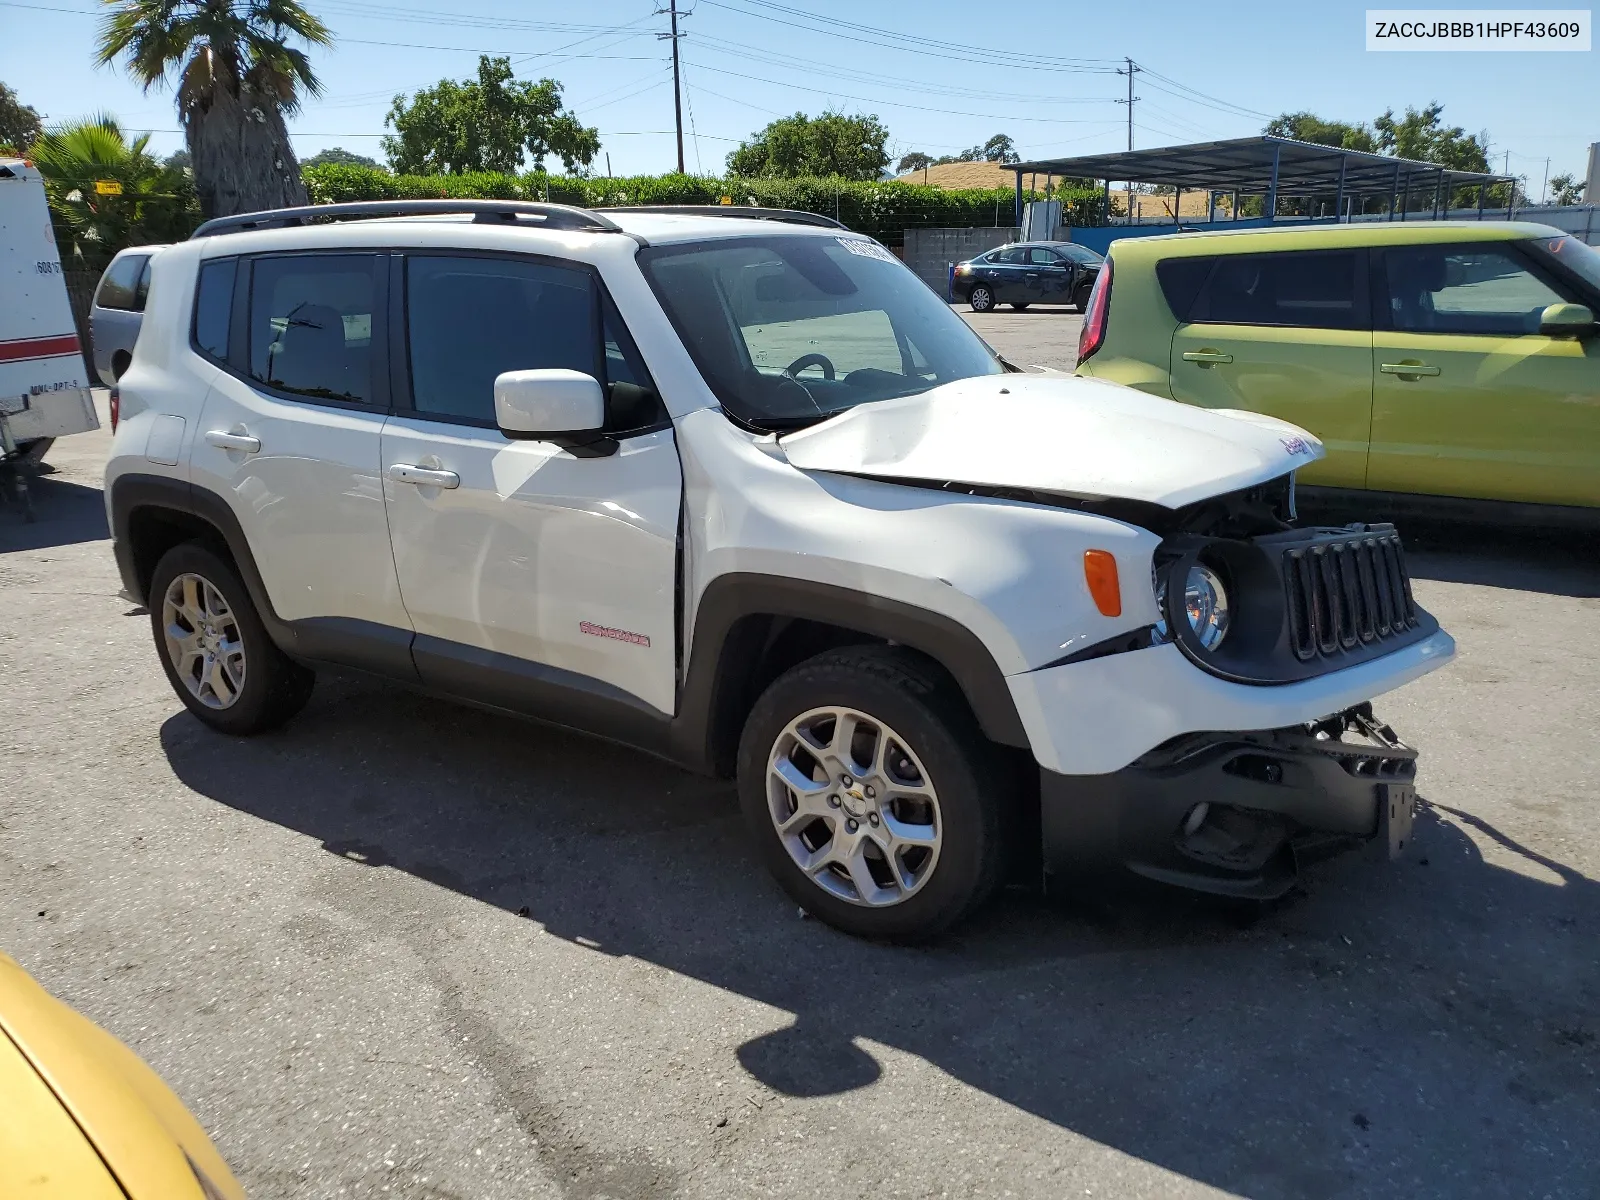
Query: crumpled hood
[(1077, 437)]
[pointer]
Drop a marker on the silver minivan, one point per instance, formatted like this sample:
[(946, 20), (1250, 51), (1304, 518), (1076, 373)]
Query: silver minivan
[(117, 310)]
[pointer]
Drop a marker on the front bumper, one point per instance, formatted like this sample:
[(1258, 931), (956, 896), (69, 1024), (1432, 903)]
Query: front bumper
[(1230, 813)]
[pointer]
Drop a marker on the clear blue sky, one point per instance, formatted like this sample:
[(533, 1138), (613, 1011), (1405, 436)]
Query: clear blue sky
[(1039, 73)]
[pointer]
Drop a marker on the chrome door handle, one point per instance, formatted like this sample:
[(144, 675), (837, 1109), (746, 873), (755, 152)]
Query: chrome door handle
[(423, 477), (1407, 369), (1206, 358), (223, 440)]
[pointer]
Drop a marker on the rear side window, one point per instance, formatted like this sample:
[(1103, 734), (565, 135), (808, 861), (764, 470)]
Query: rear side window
[(311, 320), (470, 319), (1314, 290), (1181, 280), (1013, 256), (213, 307), (119, 288)]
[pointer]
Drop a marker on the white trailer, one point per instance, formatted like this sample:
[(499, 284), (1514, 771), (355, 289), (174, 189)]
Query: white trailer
[(44, 383)]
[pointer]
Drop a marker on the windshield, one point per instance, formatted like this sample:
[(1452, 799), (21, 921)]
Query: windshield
[(1572, 254), (790, 330)]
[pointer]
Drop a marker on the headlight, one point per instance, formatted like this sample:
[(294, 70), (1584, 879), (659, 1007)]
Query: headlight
[(1205, 601)]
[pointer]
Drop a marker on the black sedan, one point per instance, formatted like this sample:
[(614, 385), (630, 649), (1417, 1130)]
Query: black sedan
[(1027, 273)]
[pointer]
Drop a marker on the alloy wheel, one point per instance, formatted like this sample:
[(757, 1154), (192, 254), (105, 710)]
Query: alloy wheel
[(203, 641), (854, 807)]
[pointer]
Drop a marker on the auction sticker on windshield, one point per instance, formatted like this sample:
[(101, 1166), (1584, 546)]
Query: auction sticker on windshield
[(866, 249)]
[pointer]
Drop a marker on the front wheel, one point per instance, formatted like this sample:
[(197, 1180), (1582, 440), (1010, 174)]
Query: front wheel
[(1080, 298), (981, 298), (872, 794), (216, 652)]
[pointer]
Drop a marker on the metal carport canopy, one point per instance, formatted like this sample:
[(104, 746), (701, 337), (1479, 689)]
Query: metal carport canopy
[(1258, 165)]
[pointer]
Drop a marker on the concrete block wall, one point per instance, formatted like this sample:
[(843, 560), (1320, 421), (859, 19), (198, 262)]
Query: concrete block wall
[(929, 252)]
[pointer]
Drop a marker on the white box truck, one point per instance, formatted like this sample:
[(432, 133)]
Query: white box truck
[(44, 382)]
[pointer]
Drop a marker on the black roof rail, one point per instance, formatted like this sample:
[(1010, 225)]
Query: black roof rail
[(747, 211), (550, 216)]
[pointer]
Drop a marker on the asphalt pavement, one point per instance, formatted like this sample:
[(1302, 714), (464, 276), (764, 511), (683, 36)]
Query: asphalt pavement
[(406, 949)]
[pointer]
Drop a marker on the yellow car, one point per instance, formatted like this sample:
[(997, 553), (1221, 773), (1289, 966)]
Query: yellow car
[(82, 1117), (1439, 359)]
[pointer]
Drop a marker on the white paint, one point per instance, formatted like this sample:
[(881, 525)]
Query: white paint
[(548, 401), (1062, 434), (43, 394)]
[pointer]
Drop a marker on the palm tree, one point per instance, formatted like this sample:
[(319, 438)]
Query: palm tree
[(153, 203), (237, 78)]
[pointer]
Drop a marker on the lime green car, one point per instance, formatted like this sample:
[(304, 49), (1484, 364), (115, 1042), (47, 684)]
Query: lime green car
[(1438, 359)]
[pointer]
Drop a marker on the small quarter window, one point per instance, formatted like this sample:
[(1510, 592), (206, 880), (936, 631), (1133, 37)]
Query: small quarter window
[(213, 308)]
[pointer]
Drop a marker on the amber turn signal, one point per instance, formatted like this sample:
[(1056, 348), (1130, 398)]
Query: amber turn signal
[(1100, 573)]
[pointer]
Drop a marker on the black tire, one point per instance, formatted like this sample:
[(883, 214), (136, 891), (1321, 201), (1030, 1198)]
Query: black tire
[(981, 298), (1080, 298), (275, 687), (1019, 307), (916, 699)]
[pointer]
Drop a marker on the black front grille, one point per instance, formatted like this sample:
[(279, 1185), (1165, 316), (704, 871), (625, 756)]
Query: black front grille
[(1347, 593)]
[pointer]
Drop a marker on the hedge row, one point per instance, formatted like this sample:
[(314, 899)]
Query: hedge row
[(882, 210)]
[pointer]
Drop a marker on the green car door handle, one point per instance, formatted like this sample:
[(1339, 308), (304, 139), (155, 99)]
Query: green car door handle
[(1407, 370), (1206, 358)]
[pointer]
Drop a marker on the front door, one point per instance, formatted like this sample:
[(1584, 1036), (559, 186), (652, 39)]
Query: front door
[(535, 568), (289, 437), (1469, 398), (1286, 334)]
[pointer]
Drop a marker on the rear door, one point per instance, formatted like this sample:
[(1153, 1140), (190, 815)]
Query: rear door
[(1469, 398), (536, 569), (1007, 269), (1049, 276), (289, 437), (1286, 334)]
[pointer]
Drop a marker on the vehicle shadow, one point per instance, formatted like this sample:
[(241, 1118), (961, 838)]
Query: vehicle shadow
[(64, 513), (1421, 1028), (1558, 562)]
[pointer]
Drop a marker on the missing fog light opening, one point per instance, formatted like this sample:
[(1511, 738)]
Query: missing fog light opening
[(1196, 818)]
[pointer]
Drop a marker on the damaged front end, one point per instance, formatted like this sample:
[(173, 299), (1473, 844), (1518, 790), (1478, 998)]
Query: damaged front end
[(1233, 814)]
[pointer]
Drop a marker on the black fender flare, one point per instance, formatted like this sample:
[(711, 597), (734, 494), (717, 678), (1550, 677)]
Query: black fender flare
[(708, 692)]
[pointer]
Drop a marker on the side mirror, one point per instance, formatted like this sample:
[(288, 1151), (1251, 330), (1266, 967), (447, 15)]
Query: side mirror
[(560, 406), (1567, 320)]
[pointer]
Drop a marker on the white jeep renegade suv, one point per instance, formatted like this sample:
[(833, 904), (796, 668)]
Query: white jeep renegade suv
[(745, 494)]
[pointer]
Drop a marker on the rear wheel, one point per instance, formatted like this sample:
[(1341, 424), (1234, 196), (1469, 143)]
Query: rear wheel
[(214, 648), (981, 298), (873, 796)]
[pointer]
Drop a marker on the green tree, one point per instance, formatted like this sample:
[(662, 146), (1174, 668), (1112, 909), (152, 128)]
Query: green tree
[(1422, 136), (998, 149), (179, 160), (1565, 189), (830, 144), (487, 124), (237, 79), (156, 204), (1308, 127), (339, 156), (915, 161), (19, 124)]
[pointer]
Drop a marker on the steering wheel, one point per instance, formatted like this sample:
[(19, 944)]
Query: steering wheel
[(811, 360)]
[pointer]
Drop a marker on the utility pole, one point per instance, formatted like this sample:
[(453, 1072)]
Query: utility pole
[(1130, 73), (1545, 186), (677, 93)]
